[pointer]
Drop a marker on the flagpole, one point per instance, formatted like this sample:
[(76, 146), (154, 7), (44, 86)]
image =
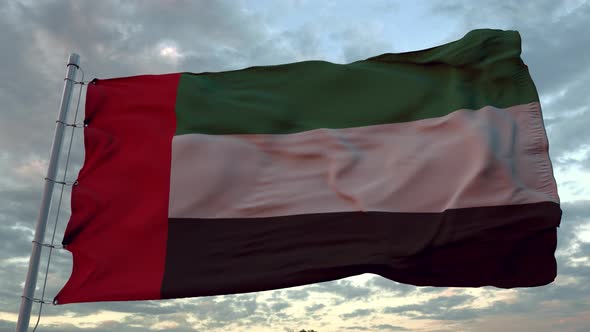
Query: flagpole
[(31, 280)]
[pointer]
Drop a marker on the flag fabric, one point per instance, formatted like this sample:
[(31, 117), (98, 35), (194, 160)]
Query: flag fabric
[(427, 168)]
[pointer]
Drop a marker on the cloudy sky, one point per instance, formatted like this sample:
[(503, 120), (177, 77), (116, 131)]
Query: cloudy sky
[(121, 38)]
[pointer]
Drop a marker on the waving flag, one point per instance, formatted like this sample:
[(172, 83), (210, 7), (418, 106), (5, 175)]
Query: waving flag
[(427, 168)]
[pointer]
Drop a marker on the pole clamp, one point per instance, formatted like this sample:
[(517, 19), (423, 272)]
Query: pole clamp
[(34, 300), (63, 183), (53, 246), (74, 125)]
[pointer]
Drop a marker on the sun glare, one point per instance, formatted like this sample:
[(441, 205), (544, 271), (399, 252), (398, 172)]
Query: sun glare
[(169, 51)]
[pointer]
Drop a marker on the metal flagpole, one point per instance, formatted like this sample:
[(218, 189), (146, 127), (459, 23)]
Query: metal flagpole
[(31, 281)]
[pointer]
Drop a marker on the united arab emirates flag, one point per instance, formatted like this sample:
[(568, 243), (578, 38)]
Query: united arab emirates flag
[(427, 168)]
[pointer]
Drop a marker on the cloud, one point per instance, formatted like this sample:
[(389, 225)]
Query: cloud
[(575, 216), (312, 309), (389, 327), (358, 313), (396, 288), (344, 289), (355, 328), (279, 306), (352, 41), (297, 294), (440, 308)]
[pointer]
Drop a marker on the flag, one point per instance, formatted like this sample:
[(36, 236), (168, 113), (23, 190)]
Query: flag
[(427, 168)]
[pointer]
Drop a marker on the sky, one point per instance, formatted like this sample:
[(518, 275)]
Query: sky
[(122, 38)]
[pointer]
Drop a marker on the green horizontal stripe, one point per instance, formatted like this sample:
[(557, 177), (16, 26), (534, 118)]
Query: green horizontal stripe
[(483, 68)]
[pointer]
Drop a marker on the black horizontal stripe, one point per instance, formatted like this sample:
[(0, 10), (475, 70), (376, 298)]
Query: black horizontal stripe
[(503, 246)]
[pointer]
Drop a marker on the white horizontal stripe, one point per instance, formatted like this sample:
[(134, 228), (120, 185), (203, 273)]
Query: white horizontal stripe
[(465, 159)]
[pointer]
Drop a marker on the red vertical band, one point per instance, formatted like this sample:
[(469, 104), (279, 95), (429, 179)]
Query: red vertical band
[(119, 216)]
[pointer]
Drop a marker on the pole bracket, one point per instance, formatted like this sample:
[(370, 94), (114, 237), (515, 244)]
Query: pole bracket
[(63, 183), (48, 245), (34, 300), (75, 125)]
